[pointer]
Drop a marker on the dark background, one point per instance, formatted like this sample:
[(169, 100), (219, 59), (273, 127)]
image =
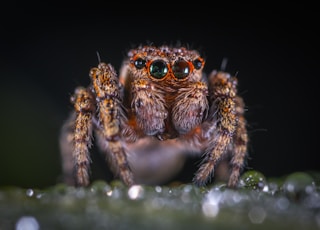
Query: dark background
[(47, 52)]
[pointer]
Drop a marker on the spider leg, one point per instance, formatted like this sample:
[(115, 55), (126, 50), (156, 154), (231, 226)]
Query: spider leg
[(110, 115), (220, 126), (80, 135), (240, 140)]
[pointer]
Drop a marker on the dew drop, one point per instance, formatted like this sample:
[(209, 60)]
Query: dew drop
[(298, 185), (109, 193), (158, 189), (254, 180), (27, 223), (210, 205), (29, 192), (257, 215), (282, 203), (135, 192)]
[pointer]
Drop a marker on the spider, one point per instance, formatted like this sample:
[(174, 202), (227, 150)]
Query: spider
[(146, 120)]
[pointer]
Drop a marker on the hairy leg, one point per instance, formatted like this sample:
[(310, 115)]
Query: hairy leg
[(221, 123), (240, 141), (78, 133), (110, 115)]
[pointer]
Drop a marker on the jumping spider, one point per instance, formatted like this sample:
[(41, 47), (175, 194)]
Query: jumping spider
[(159, 109)]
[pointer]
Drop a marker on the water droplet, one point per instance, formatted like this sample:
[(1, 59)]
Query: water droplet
[(210, 205), (29, 192), (109, 193), (309, 189), (158, 189), (282, 203), (210, 210), (298, 185), (27, 223), (273, 188), (100, 187), (312, 201), (116, 193), (39, 195), (253, 180), (186, 194), (257, 215), (135, 192), (187, 188)]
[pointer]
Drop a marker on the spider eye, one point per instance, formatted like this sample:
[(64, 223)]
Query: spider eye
[(158, 69), (181, 69), (197, 64), (139, 63)]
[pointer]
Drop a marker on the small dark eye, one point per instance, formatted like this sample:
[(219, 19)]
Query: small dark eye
[(139, 63), (158, 69), (197, 64), (181, 69)]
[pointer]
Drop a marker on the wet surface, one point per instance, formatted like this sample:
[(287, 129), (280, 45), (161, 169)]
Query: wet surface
[(291, 202)]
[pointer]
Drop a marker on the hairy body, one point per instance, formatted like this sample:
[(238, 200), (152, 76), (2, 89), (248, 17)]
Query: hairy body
[(160, 109)]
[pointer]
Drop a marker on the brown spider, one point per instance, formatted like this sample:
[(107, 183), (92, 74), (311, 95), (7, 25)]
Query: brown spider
[(160, 109)]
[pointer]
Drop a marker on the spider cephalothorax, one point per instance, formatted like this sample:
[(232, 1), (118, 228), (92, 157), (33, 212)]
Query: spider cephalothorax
[(159, 109)]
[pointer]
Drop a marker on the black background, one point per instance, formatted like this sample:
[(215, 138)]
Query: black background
[(47, 51)]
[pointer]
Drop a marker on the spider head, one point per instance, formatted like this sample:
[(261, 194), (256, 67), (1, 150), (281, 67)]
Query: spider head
[(166, 63)]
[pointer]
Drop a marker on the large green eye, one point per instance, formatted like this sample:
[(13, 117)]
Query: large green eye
[(139, 63), (181, 69), (158, 69)]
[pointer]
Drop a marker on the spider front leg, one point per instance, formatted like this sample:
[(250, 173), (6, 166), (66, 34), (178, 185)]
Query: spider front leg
[(110, 115), (82, 132), (220, 128)]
